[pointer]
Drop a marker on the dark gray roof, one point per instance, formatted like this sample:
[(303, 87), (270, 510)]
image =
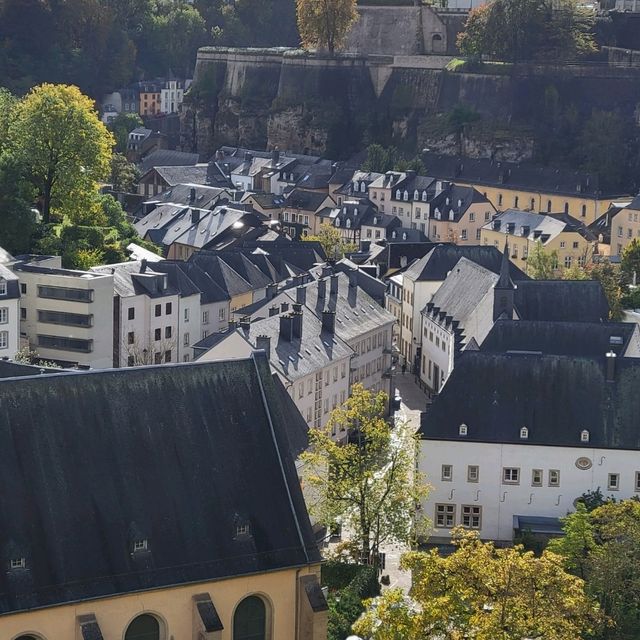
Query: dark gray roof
[(305, 200), (459, 200), (561, 338), (205, 196), (10, 369), (436, 264), (555, 397), (168, 158), (92, 462), (13, 284), (181, 175), (561, 300), (397, 255)]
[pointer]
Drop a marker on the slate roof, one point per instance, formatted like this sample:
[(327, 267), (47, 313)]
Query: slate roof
[(93, 461), (561, 338), (602, 225), (13, 283), (305, 200), (180, 175), (398, 255), (354, 179), (167, 158), (561, 300), (436, 264), (404, 234), (459, 200), (536, 226), (180, 194), (526, 177), (10, 369), (555, 397), (635, 203)]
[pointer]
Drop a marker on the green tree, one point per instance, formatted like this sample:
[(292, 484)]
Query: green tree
[(483, 592), (368, 482), (121, 126), (332, 242), (7, 105), (608, 275), (58, 136), (604, 545), (542, 264), (17, 220), (522, 30), (124, 174), (630, 262), (324, 24)]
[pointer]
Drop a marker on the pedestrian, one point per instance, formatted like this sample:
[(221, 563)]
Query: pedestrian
[(404, 368)]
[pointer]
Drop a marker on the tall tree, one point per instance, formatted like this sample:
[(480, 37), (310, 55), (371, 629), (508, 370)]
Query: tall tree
[(324, 24), (17, 221), (542, 264), (368, 482), (57, 134), (332, 242), (630, 263), (483, 592), (609, 276)]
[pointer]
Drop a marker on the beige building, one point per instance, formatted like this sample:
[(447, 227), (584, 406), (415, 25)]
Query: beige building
[(123, 544), (572, 241), (66, 315), (617, 227)]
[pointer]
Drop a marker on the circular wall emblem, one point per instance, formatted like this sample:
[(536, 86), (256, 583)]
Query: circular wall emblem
[(583, 463)]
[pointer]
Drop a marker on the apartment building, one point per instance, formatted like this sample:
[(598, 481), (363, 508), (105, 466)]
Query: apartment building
[(66, 315), (616, 228), (156, 311), (9, 313)]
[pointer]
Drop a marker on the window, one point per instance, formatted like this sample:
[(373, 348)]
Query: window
[(130, 361), (499, 199), (516, 200), (619, 232), (472, 216), (144, 627), (140, 545), (3, 288), (131, 338), (473, 473), (249, 620), (487, 216), (510, 475), (563, 245), (205, 317), (23, 288), (242, 530), (462, 430), (575, 245), (554, 478), (157, 334), (23, 313), (157, 358), (326, 405), (471, 516), (186, 358), (131, 313), (63, 344), (63, 318), (301, 390), (167, 308), (446, 515), (566, 207), (167, 356), (186, 315), (637, 482), (463, 234), (167, 332), (524, 433), (221, 314), (186, 341), (18, 563), (158, 310), (447, 472), (4, 315), (584, 436), (65, 293), (548, 206), (613, 482)]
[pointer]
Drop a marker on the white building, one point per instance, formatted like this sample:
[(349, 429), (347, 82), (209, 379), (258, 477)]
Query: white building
[(157, 313), (514, 439), (9, 313), (66, 315), (171, 96)]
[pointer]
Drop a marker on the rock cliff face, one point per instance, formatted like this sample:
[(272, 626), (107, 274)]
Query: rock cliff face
[(336, 106)]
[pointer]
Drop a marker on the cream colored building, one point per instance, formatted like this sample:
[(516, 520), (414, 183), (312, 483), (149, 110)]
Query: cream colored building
[(66, 315), (617, 227), (573, 242)]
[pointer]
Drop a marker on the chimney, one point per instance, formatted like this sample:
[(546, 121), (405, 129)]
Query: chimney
[(353, 278), (301, 295), (143, 265), (245, 321), (286, 327), (233, 325), (192, 194), (325, 271), (248, 157), (195, 216), (297, 308), (274, 310), (272, 289), (284, 306), (333, 290), (296, 318), (275, 156), (322, 288), (611, 366), (219, 155), (365, 245), (329, 321), (264, 343)]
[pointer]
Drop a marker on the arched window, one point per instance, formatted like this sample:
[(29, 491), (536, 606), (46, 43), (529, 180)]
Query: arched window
[(363, 187), (398, 194), (337, 222), (566, 207), (348, 224), (424, 196), (548, 206), (144, 627), (524, 433), (250, 620), (406, 195), (416, 195)]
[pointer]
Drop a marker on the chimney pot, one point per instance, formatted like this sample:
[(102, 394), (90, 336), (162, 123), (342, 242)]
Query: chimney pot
[(296, 321), (264, 343), (334, 284), (274, 310), (322, 288), (353, 278), (286, 327), (192, 194), (301, 295), (329, 321), (195, 215), (284, 307)]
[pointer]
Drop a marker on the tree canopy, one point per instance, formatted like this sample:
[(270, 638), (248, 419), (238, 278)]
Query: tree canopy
[(525, 30), (483, 592), (367, 483), (332, 242), (55, 131), (324, 24)]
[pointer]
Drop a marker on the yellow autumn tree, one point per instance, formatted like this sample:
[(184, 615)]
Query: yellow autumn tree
[(486, 593), (324, 24)]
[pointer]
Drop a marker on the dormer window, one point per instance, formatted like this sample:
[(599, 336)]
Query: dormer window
[(17, 563), (355, 211), (404, 236), (3, 287), (348, 224), (406, 195), (393, 234), (524, 433), (140, 545), (363, 187), (584, 436), (459, 203), (424, 196), (398, 194), (416, 195), (375, 220), (462, 431), (243, 530), (337, 222), (446, 201)]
